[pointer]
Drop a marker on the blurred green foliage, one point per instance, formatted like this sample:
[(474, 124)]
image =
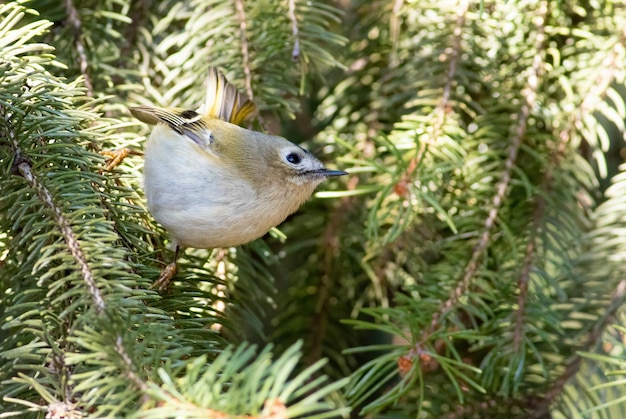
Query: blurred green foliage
[(471, 265)]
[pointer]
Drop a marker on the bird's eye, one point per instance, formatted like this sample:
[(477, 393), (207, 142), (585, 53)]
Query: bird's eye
[(293, 158)]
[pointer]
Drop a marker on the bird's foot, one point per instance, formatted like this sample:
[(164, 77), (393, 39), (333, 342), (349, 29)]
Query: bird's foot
[(117, 156), (166, 276)]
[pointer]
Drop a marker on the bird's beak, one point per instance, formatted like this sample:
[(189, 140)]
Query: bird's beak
[(332, 173)]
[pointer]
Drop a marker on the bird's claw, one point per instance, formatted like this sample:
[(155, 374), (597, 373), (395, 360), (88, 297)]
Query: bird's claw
[(117, 156), (165, 277)]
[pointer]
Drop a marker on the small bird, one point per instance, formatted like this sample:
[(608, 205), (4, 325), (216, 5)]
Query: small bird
[(212, 183)]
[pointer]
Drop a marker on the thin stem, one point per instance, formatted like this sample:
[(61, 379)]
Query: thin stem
[(23, 167), (295, 53), (74, 20), (245, 50)]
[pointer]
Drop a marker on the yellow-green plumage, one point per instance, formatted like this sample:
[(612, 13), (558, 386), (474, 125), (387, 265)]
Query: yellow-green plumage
[(212, 183)]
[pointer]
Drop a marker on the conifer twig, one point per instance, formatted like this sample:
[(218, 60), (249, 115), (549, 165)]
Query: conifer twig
[(540, 405), (295, 53), (442, 107), (540, 206), (527, 264), (613, 61), (574, 364), (128, 364), (74, 20), (245, 51), (23, 167), (394, 23), (530, 93)]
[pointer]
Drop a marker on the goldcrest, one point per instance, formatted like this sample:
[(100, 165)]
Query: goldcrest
[(212, 183)]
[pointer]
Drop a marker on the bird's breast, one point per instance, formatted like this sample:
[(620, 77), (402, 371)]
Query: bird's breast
[(202, 201)]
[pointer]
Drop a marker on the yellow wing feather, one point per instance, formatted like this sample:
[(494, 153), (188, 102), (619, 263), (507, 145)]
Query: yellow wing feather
[(224, 101)]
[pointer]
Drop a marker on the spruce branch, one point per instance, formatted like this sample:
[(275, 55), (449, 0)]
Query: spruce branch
[(24, 168), (295, 52), (442, 108), (529, 94), (241, 383), (75, 22), (612, 63), (129, 368), (245, 49), (527, 265), (441, 100), (541, 408), (533, 85), (72, 237)]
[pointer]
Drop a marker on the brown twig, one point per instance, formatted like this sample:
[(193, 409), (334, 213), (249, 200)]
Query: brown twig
[(128, 364), (245, 50), (613, 62), (23, 167), (574, 365), (441, 112), (74, 21), (394, 28), (541, 204), (527, 265), (295, 53), (442, 107)]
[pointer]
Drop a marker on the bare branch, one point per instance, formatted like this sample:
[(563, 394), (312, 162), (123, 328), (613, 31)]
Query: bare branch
[(295, 53), (74, 21), (243, 27)]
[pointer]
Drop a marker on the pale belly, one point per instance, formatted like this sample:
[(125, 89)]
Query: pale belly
[(203, 205)]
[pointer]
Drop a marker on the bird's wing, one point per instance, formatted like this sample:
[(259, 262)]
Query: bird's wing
[(184, 122), (224, 101)]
